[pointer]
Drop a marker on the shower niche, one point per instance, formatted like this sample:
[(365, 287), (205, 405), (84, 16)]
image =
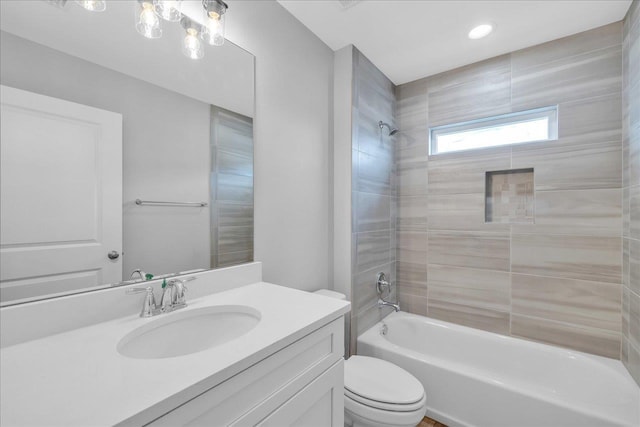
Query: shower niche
[(509, 197)]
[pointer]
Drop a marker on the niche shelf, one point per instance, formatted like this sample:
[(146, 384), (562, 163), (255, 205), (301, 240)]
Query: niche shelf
[(509, 197)]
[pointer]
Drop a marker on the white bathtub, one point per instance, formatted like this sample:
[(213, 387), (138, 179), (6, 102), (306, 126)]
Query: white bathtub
[(477, 378)]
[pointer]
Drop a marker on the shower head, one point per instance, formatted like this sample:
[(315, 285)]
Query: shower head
[(392, 131)]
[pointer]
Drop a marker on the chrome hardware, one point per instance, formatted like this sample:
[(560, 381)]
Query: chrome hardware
[(149, 307), (383, 286), (174, 295), (182, 204), (139, 272), (113, 255)]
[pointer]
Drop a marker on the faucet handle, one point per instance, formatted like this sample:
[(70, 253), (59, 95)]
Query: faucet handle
[(149, 303)]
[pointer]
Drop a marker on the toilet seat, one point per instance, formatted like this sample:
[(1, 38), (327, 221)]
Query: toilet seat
[(379, 384)]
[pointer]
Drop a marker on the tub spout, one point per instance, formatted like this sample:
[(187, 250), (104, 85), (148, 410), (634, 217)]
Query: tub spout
[(382, 303)]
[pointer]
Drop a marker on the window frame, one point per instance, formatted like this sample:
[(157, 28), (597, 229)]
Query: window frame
[(550, 112)]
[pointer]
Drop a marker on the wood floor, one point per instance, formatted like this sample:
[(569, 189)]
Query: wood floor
[(428, 422)]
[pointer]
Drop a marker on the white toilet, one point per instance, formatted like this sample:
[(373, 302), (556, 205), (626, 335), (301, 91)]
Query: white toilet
[(378, 393)]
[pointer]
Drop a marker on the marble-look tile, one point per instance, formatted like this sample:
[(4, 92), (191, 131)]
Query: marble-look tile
[(235, 215), (469, 73), (580, 302), (570, 167), (374, 174), (626, 267), (634, 212), (372, 314), (633, 362), (412, 303), (474, 250), (412, 143), (581, 43), (572, 257), (579, 212), (462, 212), (591, 120), (475, 317), (625, 312), (626, 214), (235, 239), (411, 105), (591, 340), (372, 140), (634, 319), (591, 74), (412, 213), (634, 265), (411, 273), (484, 97), (235, 188), (412, 178), (464, 172), (372, 249), (234, 163), (470, 287), (371, 211)]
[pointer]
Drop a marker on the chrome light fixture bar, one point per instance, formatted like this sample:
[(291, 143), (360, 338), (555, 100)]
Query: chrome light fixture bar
[(150, 13)]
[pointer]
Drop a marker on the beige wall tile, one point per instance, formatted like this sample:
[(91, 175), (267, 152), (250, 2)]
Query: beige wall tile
[(468, 286), (464, 172), (584, 303), (371, 211), (484, 97), (634, 265), (463, 212), (574, 257), (591, 340), (596, 212), (599, 38), (469, 73), (591, 74), (475, 250), (412, 213), (475, 317), (591, 120), (570, 167)]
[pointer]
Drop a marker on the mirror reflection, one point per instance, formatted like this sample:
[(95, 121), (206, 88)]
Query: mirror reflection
[(96, 117)]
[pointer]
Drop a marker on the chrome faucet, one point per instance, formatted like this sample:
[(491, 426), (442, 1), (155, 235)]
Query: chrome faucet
[(173, 297), (382, 286)]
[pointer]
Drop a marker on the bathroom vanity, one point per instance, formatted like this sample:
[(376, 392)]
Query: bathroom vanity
[(277, 362)]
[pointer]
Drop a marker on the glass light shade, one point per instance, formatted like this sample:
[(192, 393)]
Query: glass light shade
[(93, 5), (168, 9), (147, 22), (192, 46), (213, 29)]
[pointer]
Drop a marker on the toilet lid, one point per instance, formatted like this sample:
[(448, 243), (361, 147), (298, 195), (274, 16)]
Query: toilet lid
[(381, 381)]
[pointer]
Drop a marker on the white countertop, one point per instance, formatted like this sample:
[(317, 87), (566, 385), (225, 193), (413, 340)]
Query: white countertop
[(79, 378)]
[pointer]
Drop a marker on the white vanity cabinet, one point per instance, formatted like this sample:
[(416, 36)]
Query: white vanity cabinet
[(300, 384)]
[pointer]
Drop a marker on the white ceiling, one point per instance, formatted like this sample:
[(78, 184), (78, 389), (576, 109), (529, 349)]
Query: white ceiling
[(410, 39)]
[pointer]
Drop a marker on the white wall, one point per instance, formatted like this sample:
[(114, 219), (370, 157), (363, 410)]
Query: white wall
[(294, 72)]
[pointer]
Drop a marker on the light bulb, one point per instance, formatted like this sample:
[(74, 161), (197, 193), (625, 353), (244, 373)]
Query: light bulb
[(213, 29), (168, 9), (147, 23), (191, 46), (93, 5)]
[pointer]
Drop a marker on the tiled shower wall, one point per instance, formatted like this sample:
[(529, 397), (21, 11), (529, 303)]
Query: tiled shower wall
[(631, 179), (373, 192), (558, 280)]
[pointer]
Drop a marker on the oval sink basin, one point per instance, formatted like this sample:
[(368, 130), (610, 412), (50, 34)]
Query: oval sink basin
[(187, 332)]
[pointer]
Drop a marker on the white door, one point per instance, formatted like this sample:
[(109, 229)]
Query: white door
[(60, 196)]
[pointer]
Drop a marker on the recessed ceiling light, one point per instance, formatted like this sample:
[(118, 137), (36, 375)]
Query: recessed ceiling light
[(480, 31)]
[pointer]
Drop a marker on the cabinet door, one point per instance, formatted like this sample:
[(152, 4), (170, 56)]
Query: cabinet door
[(319, 404)]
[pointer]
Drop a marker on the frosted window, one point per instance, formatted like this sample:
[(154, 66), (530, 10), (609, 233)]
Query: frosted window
[(514, 128)]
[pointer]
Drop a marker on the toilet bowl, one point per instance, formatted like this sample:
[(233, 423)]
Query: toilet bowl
[(378, 393)]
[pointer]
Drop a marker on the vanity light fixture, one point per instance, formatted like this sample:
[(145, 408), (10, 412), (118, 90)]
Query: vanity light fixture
[(480, 31), (147, 22), (149, 12), (93, 5), (169, 10), (191, 45), (213, 28)]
